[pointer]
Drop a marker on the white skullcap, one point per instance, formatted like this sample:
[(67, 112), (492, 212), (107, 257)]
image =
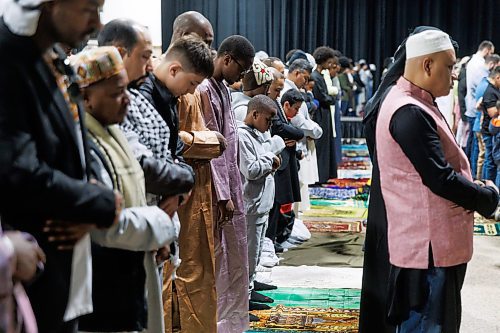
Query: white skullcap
[(311, 60), (427, 42), (21, 16)]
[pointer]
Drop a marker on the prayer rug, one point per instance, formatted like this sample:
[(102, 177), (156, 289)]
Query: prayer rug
[(300, 319), (333, 226), (316, 297), (348, 212), (336, 202), (487, 229)]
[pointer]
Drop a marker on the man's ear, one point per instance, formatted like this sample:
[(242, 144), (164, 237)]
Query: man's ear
[(227, 59), (86, 99), (427, 64), (174, 68), (123, 51)]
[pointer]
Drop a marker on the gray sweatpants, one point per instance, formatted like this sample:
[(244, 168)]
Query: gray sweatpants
[(256, 232)]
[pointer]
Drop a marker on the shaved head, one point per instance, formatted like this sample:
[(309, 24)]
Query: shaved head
[(193, 23), (432, 72)]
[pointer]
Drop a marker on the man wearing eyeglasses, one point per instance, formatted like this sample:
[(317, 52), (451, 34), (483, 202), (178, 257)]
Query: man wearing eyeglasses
[(234, 57)]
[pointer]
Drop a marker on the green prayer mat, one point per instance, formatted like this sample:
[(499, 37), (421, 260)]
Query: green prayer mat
[(339, 203), (327, 250), (315, 297), (487, 229)]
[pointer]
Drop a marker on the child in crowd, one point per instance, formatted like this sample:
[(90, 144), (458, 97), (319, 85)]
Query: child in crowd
[(257, 165)]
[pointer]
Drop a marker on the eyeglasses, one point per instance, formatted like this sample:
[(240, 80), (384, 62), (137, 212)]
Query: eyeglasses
[(243, 70)]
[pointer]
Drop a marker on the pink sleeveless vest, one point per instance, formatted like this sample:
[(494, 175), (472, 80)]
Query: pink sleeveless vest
[(416, 217)]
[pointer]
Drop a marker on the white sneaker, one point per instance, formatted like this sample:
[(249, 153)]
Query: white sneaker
[(260, 269), (268, 260), (286, 245)]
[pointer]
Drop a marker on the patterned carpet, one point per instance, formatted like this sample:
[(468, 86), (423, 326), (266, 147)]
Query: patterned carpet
[(310, 310)]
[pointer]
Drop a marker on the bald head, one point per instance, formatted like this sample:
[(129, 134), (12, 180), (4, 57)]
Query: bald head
[(432, 72), (193, 23)]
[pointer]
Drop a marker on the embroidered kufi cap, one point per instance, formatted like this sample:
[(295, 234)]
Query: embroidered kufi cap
[(94, 65), (258, 75)]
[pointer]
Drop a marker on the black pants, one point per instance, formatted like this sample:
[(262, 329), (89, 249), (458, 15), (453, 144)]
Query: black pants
[(280, 225)]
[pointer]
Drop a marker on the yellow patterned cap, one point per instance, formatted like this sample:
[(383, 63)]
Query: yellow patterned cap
[(97, 64)]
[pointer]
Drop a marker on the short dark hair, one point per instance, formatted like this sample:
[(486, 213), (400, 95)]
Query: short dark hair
[(292, 96), (119, 32), (238, 47), (494, 58), (323, 53), (344, 62), (300, 65), (290, 54), (485, 44), (494, 72), (193, 53), (261, 103)]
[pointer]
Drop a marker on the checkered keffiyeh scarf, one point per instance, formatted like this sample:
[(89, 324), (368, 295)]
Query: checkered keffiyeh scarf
[(143, 119)]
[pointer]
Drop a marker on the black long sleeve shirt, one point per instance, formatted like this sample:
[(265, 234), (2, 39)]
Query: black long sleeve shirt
[(416, 133)]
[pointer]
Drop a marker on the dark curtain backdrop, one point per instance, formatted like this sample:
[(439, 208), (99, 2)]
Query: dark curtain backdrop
[(370, 29)]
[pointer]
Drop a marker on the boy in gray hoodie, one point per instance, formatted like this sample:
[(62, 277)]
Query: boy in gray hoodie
[(257, 162)]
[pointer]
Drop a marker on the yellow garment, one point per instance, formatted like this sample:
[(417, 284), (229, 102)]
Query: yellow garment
[(193, 305)]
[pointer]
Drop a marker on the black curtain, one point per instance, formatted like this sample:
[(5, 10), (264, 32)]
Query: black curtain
[(369, 29)]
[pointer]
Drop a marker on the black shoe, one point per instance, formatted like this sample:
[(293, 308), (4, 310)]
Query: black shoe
[(258, 306), (253, 318), (259, 286), (278, 248), (257, 297)]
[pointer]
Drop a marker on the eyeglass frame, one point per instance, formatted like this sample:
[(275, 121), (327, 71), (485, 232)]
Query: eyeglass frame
[(243, 71)]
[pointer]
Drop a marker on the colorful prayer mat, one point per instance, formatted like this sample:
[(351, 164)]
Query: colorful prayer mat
[(300, 319), (487, 229), (334, 226), (348, 212)]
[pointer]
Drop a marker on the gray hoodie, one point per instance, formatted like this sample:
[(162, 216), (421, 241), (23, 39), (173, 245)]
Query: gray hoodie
[(256, 167)]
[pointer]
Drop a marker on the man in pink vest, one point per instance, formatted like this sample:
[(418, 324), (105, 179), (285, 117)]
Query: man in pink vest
[(424, 190)]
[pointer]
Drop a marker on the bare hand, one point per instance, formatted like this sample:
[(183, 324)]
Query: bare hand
[(170, 205), (276, 162), (290, 143), (162, 255), (27, 255), (66, 234), (222, 141), (490, 184), (226, 211)]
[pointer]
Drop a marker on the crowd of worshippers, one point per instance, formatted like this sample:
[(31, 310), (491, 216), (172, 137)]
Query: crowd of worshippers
[(139, 195), (477, 123)]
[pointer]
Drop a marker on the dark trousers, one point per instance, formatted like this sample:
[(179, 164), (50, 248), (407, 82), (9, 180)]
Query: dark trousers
[(280, 224)]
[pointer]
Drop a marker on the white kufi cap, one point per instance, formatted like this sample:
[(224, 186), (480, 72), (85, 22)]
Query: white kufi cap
[(427, 42), (21, 16)]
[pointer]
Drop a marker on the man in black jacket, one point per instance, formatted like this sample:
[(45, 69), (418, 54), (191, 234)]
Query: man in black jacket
[(143, 124), (43, 153)]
